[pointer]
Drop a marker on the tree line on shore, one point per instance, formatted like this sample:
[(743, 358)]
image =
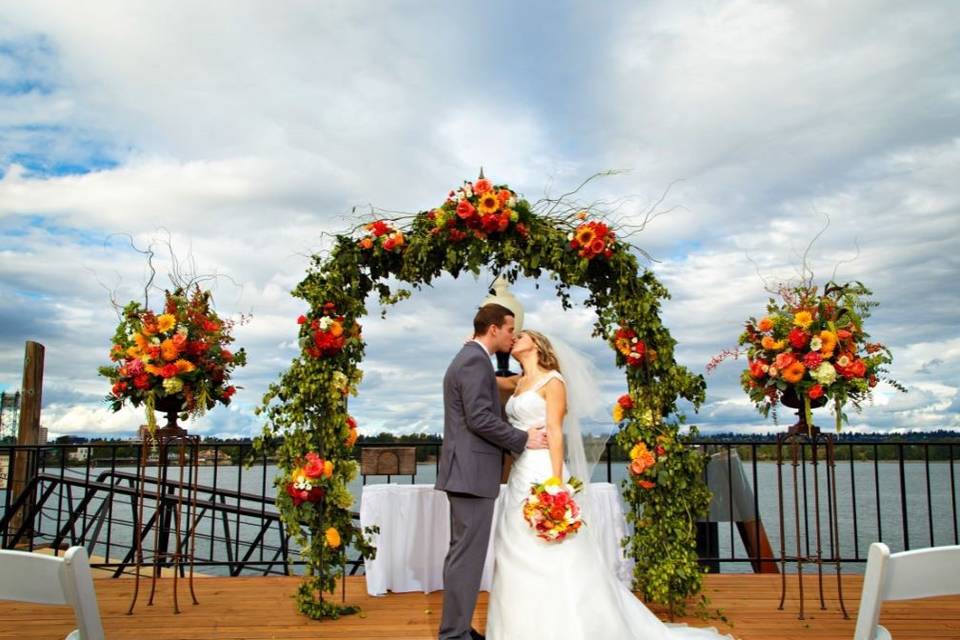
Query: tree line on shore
[(933, 445)]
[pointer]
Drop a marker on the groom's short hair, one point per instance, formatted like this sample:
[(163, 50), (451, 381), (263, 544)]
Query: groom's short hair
[(490, 314)]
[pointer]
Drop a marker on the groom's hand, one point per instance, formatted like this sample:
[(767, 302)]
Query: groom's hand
[(537, 438)]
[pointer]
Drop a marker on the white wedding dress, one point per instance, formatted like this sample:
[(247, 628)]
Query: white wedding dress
[(558, 590)]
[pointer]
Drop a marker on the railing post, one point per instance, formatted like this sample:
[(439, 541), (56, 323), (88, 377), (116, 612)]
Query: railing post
[(29, 430)]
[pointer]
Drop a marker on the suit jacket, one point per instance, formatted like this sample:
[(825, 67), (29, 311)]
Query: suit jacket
[(473, 430)]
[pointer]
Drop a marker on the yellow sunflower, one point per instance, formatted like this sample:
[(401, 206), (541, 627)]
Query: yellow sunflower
[(617, 413), (489, 203), (166, 322), (585, 235), (802, 319)]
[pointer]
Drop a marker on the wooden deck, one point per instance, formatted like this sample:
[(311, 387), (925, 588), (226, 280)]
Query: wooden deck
[(263, 608)]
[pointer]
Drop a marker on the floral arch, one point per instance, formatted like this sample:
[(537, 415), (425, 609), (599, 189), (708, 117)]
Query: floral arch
[(483, 225)]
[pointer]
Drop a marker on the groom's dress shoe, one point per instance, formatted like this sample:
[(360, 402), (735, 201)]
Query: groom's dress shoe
[(476, 635)]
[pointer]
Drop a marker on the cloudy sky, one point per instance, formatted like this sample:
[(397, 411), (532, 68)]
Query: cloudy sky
[(243, 131)]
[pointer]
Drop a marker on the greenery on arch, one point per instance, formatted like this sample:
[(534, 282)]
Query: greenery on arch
[(483, 226)]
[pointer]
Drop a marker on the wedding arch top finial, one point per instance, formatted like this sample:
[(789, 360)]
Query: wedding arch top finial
[(502, 295), (480, 177)]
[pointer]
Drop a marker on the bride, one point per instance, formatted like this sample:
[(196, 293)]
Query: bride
[(557, 590)]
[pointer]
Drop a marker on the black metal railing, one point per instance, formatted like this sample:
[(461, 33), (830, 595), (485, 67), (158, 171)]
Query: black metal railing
[(899, 492)]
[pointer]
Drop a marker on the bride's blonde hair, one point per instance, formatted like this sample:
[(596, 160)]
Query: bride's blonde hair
[(546, 356)]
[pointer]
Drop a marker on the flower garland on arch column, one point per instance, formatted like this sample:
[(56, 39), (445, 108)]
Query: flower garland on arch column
[(482, 225)]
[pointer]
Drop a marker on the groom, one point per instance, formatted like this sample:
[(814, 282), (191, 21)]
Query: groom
[(470, 461)]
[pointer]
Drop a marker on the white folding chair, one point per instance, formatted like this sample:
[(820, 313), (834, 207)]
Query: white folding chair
[(32, 577), (908, 575)]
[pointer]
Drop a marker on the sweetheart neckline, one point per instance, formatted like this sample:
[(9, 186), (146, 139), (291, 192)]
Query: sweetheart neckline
[(517, 395), (535, 387)]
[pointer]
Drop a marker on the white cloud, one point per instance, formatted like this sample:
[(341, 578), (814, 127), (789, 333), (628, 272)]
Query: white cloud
[(250, 132)]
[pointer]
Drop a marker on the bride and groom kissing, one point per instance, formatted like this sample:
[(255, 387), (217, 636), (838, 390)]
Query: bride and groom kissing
[(540, 589)]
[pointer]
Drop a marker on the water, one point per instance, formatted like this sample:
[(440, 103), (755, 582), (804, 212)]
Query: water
[(937, 525)]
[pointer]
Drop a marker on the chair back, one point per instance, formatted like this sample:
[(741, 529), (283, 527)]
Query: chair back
[(907, 575), (41, 579)]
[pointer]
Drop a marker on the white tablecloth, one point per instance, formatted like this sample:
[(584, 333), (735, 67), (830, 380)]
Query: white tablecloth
[(414, 523)]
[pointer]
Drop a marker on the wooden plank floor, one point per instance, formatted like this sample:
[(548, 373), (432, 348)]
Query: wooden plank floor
[(264, 608)]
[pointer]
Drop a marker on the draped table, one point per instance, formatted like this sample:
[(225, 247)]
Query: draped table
[(414, 521)]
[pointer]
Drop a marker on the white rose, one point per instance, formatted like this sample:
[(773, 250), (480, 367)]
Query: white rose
[(815, 343), (468, 190), (325, 323)]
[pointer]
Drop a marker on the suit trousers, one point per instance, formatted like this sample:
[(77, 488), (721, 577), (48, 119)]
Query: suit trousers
[(471, 518)]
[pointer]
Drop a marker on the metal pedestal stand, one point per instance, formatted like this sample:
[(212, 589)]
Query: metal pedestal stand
[(169, 506), (796, 437)]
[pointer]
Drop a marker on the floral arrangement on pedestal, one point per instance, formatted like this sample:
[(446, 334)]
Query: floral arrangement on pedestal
[(811, 347), (181, 353), (480, 225)]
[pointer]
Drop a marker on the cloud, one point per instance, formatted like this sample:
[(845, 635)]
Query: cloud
[(243, 139)]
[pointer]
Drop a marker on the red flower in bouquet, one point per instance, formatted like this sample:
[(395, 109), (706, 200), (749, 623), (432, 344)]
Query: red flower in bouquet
[(466, 210), (758, 368), (812, 360), (798, 338)]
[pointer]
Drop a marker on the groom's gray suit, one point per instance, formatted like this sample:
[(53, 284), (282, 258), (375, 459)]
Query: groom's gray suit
[(469, 471)]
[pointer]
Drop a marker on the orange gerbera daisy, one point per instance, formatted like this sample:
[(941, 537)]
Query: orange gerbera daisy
[(184, 366), (333, 538), (168, 350), (765, 324), (828, 340), (794, 372), (770, 344)]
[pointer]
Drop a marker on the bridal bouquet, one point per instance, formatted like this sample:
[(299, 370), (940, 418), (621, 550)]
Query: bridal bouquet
[(551, 510)]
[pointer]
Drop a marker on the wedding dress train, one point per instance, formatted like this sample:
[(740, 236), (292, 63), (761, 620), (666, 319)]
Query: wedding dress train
[(559, 590)]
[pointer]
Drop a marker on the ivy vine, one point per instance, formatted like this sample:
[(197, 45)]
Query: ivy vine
[(308, 426)]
